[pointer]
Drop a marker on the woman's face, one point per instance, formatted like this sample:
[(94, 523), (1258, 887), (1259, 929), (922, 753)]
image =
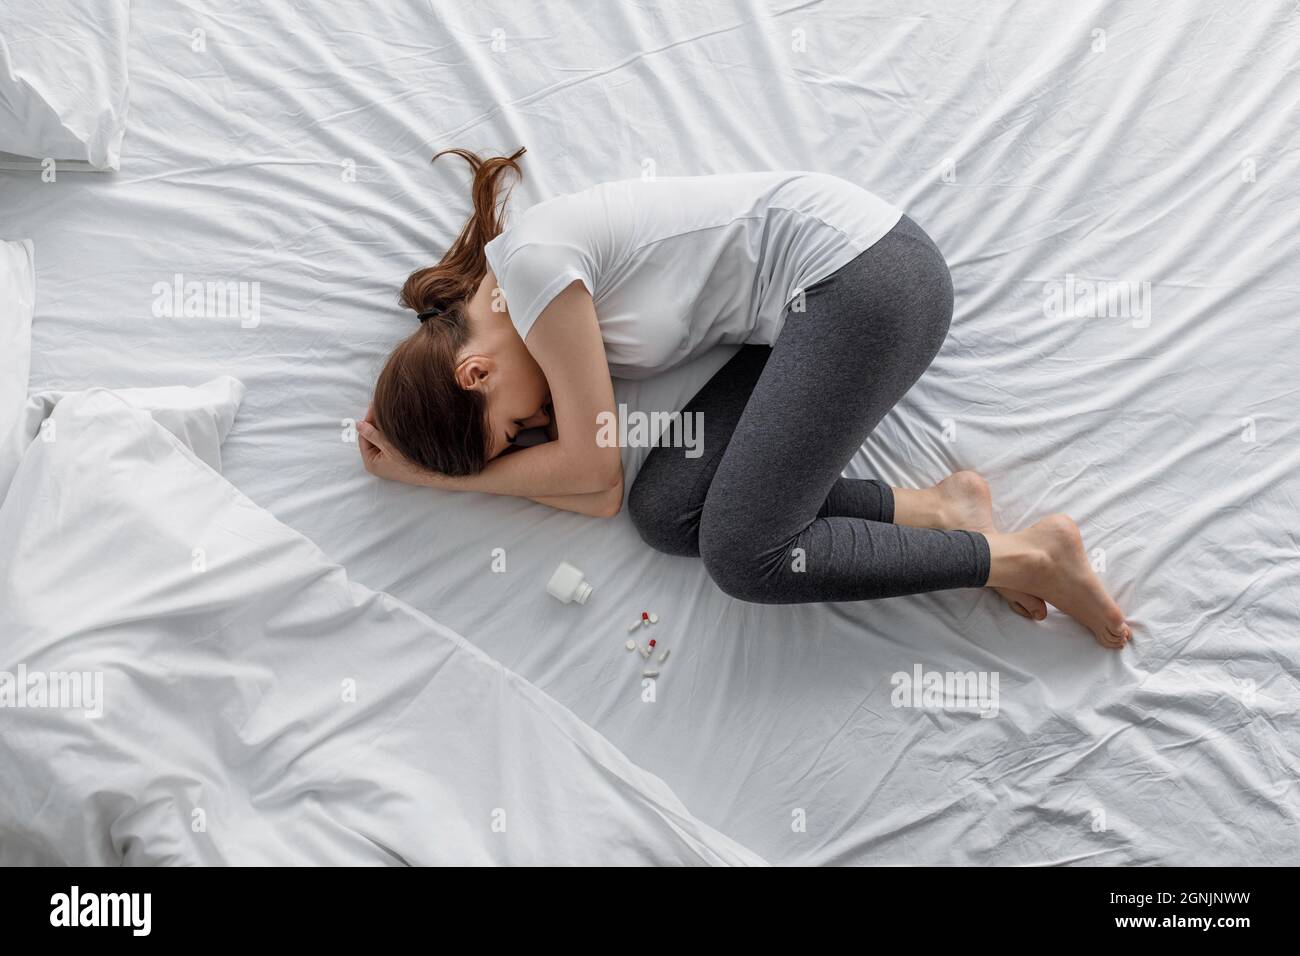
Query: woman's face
[(497, 362), (519, 399)]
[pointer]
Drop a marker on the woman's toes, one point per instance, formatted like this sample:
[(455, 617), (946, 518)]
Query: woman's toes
[(1036, 607), (1026, 605), (1111, 640), (1117, 631)]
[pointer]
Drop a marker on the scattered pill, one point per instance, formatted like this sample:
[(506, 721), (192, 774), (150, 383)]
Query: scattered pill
[(654, 618), (664, 656), (634, 625), (630, 645), (649, 673), (644, 653)]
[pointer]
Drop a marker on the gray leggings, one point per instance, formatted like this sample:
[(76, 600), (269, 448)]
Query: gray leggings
[(765, 506)]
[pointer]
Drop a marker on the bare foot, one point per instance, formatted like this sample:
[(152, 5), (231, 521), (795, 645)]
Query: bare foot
[(965, 504), (1048, 559)]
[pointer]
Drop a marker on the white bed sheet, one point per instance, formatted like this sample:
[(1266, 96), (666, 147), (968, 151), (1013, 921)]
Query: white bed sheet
[(1031, 146)]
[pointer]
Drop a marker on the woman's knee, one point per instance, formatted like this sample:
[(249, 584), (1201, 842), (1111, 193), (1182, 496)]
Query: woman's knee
[(939, 307), (912, 329), (918, 291), (735, 558), (661, 516), (933, 299)]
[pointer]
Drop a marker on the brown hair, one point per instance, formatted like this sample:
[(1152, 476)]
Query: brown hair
[(418, 404)]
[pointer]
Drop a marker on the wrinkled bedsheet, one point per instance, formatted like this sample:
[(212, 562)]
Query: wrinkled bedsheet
[(1117, 189)]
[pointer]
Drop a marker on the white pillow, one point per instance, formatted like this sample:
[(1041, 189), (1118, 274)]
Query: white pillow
[(17, 300), (200, 417), (63, 81)]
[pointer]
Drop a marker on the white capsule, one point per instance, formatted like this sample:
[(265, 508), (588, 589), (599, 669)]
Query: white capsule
[(634, 625), (630, 645), (649, 673), (654, 618), (645, 651), (663, 657)]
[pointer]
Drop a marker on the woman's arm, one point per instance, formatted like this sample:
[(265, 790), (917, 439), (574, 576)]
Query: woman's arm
[(381, 459), (598, 504), (566, 342), (567, 345)]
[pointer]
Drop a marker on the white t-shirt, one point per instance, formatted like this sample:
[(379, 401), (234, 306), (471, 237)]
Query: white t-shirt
[(678, 265)]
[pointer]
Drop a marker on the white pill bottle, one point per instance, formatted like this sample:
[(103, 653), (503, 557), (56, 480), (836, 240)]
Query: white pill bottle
[(569, 585)]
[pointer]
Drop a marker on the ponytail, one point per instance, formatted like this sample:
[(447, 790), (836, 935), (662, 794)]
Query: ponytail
[(434, 289), (418, 404)]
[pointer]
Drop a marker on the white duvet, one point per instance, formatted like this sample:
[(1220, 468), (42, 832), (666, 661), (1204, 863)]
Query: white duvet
[(185, 680), (1117, 142)]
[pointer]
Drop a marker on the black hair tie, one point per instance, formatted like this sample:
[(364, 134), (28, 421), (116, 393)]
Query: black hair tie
[(429, 314)]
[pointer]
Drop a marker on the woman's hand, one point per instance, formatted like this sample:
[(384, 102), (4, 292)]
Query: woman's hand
[(384, 461)]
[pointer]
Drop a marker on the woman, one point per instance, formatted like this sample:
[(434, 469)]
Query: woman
[(840, 302)]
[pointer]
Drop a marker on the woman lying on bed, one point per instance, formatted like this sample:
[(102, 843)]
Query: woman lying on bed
[(840, 302)]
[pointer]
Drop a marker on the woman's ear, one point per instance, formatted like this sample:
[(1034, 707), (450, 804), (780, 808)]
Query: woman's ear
[(473, 371)]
